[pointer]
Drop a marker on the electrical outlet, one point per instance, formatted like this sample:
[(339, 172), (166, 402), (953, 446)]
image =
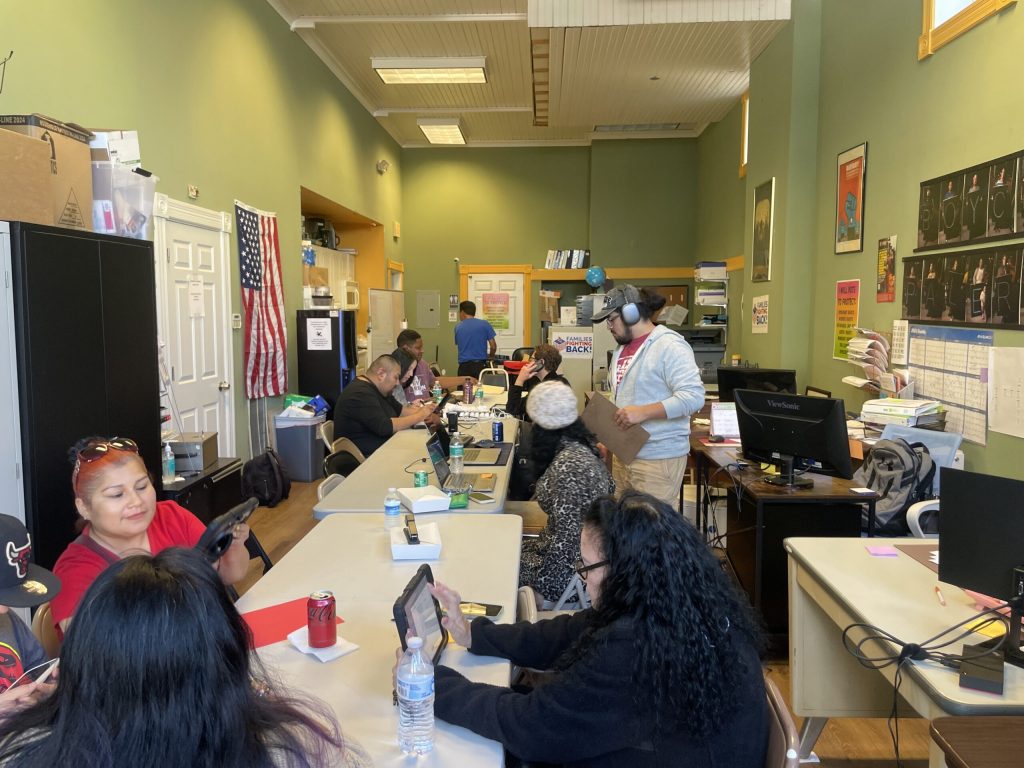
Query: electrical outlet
[(236, 321), (193, 191)]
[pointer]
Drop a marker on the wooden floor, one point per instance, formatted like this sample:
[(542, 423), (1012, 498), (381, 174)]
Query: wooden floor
[(849, 743)]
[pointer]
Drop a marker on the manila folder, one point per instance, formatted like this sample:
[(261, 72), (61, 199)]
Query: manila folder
[(599, 418)]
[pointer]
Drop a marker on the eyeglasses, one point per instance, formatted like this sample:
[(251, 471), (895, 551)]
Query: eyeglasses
[(612, 317), (583, 569), (97, 450)]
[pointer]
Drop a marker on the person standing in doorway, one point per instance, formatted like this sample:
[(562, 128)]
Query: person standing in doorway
[(655, 382), (475, 340), (422, 377)]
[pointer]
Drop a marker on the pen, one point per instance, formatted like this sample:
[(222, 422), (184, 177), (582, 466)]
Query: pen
[(938, 594)]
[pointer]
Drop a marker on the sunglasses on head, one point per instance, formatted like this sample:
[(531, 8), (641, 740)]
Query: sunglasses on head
[(97, 449)]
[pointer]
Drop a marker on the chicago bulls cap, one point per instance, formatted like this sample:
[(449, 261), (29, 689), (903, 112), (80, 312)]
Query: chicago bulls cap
[(22, 583)]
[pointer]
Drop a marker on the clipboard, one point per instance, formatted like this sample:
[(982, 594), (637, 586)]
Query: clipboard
[(599, 418)]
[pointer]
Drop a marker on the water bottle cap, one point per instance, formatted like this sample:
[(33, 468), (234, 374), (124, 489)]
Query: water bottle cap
[(414, 642)]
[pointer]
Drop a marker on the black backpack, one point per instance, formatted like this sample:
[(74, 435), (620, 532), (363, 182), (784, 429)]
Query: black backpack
[(902, 474), (265, 478)]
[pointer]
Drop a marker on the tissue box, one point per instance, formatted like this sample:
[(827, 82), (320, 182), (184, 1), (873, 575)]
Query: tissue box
[(426, 499), (429, 547)]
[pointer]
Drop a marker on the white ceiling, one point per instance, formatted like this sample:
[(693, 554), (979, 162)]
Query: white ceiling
[(556, 69)]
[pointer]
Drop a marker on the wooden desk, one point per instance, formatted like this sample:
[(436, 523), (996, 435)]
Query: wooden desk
[(364, 490), (350, 555), (760, 516), (836, 582), (980, 742)]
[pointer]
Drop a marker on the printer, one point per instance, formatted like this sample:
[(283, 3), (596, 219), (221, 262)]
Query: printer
[(194, 451), (708, 345)]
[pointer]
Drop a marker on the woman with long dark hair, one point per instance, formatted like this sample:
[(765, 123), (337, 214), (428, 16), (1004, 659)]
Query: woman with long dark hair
[(571, 475), (662, 671), (156, 670)]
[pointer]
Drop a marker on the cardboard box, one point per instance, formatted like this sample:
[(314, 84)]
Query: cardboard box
[(25, 168), (70, 171)]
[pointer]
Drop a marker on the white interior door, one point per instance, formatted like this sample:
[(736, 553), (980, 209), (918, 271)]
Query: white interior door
[(194, 317), (387, 312), (499, 301)]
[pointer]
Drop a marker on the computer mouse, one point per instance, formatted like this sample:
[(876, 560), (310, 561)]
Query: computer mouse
[(485, 444), (716, 439)]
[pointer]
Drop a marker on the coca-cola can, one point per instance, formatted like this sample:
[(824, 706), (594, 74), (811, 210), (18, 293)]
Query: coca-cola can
[(321, 612)]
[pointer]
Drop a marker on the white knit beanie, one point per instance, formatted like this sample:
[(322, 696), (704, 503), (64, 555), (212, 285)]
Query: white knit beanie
[(552, 405)]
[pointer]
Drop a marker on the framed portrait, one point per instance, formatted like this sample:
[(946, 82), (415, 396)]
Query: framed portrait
[(764, 216), (851, 172)]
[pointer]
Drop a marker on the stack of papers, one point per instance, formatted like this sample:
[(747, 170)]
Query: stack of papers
[(908, 413)]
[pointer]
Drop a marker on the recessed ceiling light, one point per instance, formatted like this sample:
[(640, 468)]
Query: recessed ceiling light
[(441, 130), (407, 71)]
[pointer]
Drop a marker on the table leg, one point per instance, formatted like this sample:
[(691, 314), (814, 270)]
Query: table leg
[(809, 733)]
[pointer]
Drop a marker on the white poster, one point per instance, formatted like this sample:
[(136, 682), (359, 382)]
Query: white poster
[(1006, 390), (318, 333), (759, 315), (576, 344), (196, 308)]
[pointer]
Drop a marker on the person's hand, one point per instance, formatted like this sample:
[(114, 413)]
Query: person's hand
[(455, 622), (602, 451), (528, 371), (24, 696), (234, 563), (432, 419), (629, 415)]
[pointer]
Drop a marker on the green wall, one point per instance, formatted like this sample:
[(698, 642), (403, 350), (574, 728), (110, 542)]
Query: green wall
[(843, 73), (631, 202), (224, 96)]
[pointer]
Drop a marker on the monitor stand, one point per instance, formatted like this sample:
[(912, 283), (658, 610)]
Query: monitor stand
[(786, 476)]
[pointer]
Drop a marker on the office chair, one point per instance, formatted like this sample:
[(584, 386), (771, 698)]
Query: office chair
[(522, 353), (944, 447), (327, 485), (326, 431), (783, 737), (344, 460), (494, 377)]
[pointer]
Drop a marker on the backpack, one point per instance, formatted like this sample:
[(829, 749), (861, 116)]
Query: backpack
[(901, 473), (265, 478)]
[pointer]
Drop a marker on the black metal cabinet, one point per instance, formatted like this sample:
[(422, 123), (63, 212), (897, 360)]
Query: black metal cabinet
[(86, 341), (212, 492)]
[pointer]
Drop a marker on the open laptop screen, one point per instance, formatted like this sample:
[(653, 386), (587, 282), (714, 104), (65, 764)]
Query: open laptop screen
[(438, 459)]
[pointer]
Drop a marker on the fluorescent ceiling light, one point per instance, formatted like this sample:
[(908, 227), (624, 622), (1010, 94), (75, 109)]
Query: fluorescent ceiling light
[(419, 71), (441, 130)]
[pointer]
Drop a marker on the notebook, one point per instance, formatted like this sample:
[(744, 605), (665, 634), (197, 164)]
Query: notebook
[(723, 421)]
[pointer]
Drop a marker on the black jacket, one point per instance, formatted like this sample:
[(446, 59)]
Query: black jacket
[(515, 405), (586, 715)]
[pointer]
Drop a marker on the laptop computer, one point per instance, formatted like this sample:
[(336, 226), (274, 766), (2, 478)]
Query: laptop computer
[(486, 457), (478, 480)]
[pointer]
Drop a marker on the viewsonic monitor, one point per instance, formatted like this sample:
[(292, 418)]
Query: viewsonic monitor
[(764, 379), (796, 433)]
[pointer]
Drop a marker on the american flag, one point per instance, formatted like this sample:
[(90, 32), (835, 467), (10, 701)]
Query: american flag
[(264, 354)]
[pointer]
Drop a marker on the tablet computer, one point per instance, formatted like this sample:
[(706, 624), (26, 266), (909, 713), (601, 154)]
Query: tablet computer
[(418, 610)]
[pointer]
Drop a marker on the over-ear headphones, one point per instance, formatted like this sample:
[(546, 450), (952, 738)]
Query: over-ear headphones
[(629, 311)]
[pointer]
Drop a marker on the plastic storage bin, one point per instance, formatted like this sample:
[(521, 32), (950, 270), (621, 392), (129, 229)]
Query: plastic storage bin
[(299, 447), (122, 200)]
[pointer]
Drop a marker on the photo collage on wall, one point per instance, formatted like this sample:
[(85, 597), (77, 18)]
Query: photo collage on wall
[(983, 204), (975, 205)]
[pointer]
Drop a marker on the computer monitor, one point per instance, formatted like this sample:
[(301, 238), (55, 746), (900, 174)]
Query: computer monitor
[(764, 379), (794, 432), (981, 540)]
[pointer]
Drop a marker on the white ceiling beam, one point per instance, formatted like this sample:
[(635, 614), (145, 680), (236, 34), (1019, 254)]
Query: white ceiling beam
[(386, 111), (310, 22), (606, 13)]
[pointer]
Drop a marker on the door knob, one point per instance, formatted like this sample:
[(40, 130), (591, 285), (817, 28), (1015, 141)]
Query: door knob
[(224, 385)]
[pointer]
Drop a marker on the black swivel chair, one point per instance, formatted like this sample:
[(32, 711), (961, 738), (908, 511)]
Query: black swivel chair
[(522, 353)]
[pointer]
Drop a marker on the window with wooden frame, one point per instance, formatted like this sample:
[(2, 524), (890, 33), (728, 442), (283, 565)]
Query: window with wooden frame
[(744, 132), (942, 21)]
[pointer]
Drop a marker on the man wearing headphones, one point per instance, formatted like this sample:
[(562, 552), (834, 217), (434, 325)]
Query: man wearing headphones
[(655, 382)]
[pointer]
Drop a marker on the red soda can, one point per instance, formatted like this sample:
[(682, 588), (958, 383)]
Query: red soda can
[(321, 612)]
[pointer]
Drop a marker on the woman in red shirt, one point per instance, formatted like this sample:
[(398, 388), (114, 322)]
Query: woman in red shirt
[(116, 498)]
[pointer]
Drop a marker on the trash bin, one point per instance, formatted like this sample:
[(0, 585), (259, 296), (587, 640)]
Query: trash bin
[(299, 446)]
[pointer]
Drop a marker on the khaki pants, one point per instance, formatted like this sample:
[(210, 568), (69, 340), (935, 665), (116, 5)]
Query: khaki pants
[(661, 478)]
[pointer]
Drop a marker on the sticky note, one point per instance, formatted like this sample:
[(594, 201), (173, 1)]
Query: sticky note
[(882, 551)]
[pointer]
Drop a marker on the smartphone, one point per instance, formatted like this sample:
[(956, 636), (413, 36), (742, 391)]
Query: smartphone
[(38, 673), (481, 498)]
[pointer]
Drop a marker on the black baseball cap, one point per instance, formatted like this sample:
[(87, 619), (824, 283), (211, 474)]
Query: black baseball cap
[(23, 584)]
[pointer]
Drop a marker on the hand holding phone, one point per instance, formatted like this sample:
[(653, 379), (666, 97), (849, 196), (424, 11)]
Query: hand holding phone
[(220, 533)]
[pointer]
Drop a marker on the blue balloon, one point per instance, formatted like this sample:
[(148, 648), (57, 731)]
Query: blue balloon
[(595, 277)]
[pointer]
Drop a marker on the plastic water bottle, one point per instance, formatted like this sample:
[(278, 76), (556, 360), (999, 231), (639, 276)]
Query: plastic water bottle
[(480, 393), (455, 454), (392, 509), (168, 470), (415, 700), (436, 392)]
